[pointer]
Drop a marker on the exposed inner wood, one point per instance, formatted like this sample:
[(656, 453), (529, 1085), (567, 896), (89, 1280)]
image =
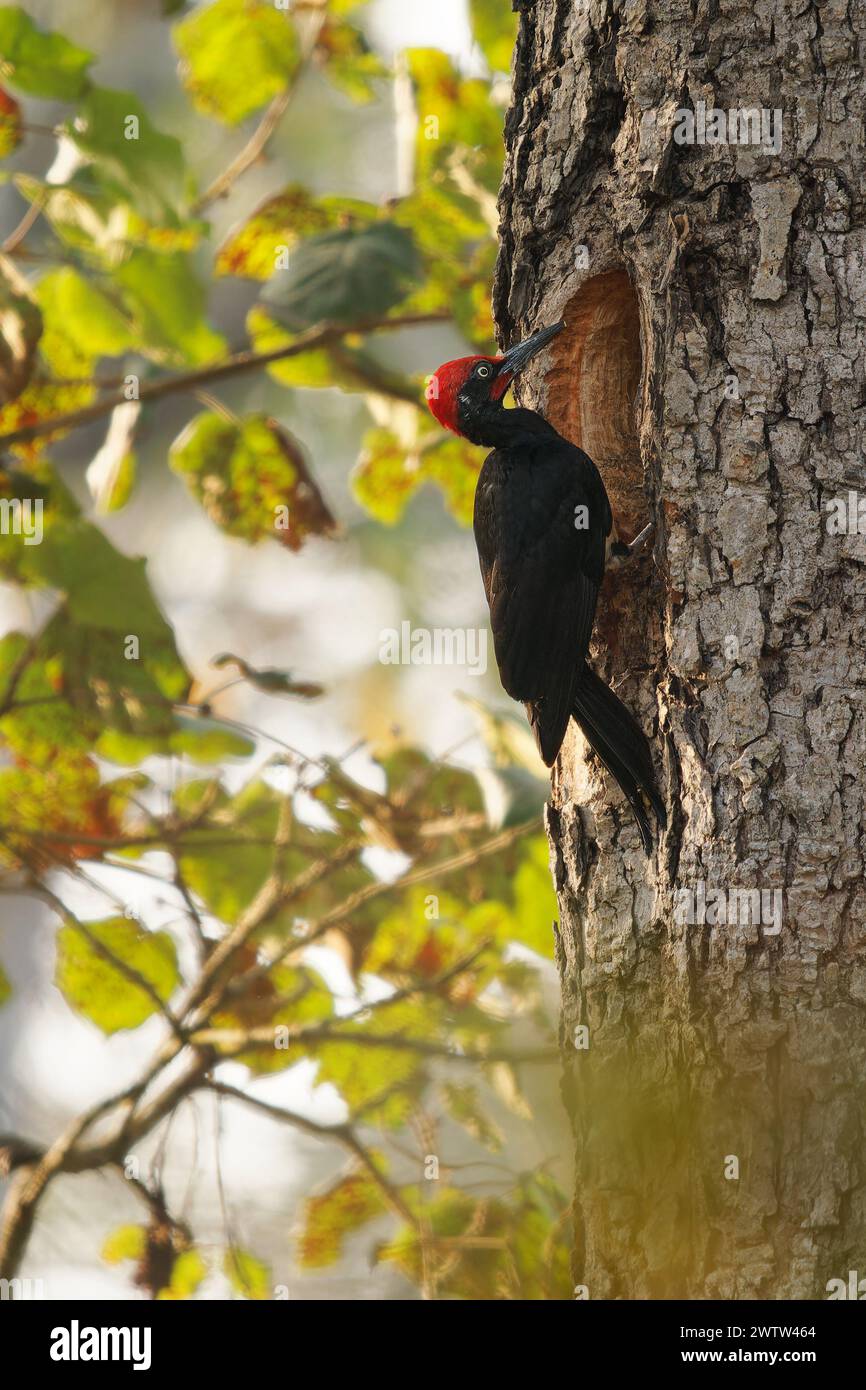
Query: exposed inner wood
[(593, 387)]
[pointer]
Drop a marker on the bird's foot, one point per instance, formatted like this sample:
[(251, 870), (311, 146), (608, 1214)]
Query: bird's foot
[(620, 553)]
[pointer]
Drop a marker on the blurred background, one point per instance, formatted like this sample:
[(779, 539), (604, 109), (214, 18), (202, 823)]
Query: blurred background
[(318, 612)]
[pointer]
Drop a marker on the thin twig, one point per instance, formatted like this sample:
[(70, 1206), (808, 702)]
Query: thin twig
[(422, 874), (340, 1134), (184, 382), (249, 155), (232, 1041), (267, 126), (14, 239)]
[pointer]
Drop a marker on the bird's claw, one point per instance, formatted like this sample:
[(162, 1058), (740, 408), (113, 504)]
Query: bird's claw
[(620, 553)]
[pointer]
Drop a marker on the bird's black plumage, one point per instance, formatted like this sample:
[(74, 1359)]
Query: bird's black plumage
[(542, 519)]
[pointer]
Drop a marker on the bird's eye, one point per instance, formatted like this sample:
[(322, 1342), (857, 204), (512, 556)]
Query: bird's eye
[(483, 369)]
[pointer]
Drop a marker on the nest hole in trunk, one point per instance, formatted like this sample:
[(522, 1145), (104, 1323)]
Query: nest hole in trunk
[(593, 389)]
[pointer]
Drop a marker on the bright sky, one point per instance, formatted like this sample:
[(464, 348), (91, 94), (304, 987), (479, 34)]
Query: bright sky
[(398, 24)]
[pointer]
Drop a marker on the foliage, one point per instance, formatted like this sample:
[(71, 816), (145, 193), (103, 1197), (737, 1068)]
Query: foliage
[(97, 693)]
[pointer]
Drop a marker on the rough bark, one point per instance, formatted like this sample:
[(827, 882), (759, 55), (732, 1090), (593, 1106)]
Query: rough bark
[(714, 367)]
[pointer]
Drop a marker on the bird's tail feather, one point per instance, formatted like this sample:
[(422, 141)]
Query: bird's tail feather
[(613, 734)]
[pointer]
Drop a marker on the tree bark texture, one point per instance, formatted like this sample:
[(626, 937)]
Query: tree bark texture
[(713, 366)]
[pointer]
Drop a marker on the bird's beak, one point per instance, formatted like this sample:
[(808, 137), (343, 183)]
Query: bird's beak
[(516, 358)]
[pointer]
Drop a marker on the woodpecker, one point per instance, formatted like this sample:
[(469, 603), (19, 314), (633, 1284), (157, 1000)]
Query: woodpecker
[(542, 521)]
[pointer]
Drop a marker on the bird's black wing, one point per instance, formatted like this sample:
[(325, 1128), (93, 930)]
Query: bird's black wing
[(542, 568)]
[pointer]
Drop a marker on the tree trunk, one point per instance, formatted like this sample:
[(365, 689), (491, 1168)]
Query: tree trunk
[(713, 366)]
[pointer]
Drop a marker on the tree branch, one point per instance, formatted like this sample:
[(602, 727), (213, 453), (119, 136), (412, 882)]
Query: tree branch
[(370, 891), (257, 143), (68, 1155), (232, 1041), (249, 155), (235, 365), (340, 1134)]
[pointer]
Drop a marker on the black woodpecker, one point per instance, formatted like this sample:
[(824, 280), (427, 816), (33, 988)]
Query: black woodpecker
[(542, 522)]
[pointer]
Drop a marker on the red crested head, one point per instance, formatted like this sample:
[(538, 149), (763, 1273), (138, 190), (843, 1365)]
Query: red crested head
[(446, 384), (462, 391)]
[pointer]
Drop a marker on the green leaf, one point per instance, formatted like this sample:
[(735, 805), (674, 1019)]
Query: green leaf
[(450, 1215), (90, 323), (207, 740), (135, 161), (58, 791), (167, 302), (124, 1243), (107, 658), (386, 476), (385, 1082), (346, 367), (98, 989), (111, 472), (88, 217), (187, 1272), (453, 465), (202, 740), (333, 1215), (251, 478), (105, 590), (226, 878), (5, 987), (535, 906), (523, 1256), (247, 1274), (344, 276), (235, 56), (463, 1104), (88, 667), (457, 120), (42, 63), (348, 60), (390, 470), (446, 224), (494, 25), (280, 223)]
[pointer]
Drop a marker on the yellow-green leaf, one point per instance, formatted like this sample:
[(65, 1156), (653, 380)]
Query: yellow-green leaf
[(124, 1243), (348, 60), (258, 246), (328, 1218), (494, 25), (251, 478), (42, 63), (535, 906), (247, 1274), (187, 1272), (101, 990), (236, 55)]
